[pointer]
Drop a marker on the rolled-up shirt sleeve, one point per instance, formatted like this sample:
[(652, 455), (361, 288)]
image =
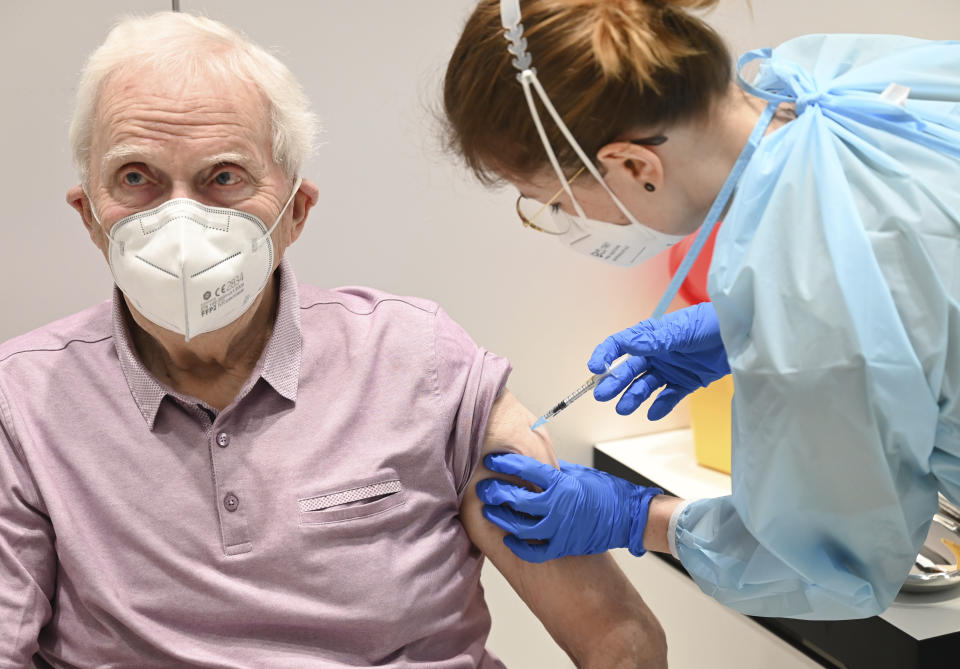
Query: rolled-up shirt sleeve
[(469, 379), (27, 556)]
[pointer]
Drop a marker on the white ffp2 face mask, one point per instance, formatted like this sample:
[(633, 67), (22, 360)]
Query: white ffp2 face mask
[(191, 268), (620, 245)]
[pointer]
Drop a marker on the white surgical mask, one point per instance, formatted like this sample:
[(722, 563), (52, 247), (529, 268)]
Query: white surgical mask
[(191, 268)]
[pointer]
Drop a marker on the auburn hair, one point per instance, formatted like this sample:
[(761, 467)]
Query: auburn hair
[(608, 66)]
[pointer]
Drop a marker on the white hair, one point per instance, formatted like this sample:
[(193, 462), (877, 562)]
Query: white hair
[(185, 45)]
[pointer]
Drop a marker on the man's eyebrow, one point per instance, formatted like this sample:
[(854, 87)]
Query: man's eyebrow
[(127, 152), (237, 157), (245, 160), (120, 152)]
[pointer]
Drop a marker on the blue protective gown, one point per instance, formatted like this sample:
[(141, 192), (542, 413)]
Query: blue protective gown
[(836, 280)]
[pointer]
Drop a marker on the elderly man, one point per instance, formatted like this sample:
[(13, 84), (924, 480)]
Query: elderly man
[(223, 468)]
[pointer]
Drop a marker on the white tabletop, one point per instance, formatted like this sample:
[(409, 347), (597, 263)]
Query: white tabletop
[(667, 459)]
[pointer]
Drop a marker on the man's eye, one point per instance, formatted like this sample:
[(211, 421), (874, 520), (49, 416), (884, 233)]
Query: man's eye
[(555, 207), (134, 179), (226, 178)]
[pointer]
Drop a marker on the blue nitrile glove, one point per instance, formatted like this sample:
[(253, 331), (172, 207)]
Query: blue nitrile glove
[(680, 352), (580, 511)]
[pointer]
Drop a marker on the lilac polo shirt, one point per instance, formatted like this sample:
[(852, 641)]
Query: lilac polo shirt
[(312, 523)]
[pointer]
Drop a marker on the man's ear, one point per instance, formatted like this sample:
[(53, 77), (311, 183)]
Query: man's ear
[(77, 198), (624, 161), (303, 202)]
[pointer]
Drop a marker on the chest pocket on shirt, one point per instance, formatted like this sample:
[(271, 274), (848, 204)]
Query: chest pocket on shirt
[(360, 500)]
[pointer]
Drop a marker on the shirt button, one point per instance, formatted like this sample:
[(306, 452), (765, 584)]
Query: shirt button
[(231, 502), (223, 440)]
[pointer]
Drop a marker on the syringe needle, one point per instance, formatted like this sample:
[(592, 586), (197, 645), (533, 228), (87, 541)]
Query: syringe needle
[(588, 385)]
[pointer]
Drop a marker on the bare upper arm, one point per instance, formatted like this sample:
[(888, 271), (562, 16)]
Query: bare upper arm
[(585, 602)]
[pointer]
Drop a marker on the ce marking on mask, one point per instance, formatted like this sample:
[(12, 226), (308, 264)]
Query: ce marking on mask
[(608, 251), (224, 293)]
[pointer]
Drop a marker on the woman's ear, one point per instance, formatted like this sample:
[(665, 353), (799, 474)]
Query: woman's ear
[(623, 161)]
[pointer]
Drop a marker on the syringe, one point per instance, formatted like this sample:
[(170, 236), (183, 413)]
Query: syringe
[(588, 385)]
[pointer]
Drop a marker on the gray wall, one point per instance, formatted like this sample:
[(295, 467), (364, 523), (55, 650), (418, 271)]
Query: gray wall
[(394, 211)]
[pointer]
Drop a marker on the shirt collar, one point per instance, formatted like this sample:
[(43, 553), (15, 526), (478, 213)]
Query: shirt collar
[(281, 359), (279, 364)]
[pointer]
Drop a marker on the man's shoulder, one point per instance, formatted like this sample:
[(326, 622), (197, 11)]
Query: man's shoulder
[(362, 301), (90, 326)]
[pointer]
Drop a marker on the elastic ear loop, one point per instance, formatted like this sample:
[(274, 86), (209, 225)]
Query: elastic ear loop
[(526, 78), (93, 212), (296, 187), (510, 19)]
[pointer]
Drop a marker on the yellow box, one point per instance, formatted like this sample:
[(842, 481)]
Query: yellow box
[(710, 420)]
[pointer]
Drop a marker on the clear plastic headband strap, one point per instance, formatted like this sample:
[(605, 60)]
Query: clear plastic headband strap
[(513, 31), (510, 13)]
